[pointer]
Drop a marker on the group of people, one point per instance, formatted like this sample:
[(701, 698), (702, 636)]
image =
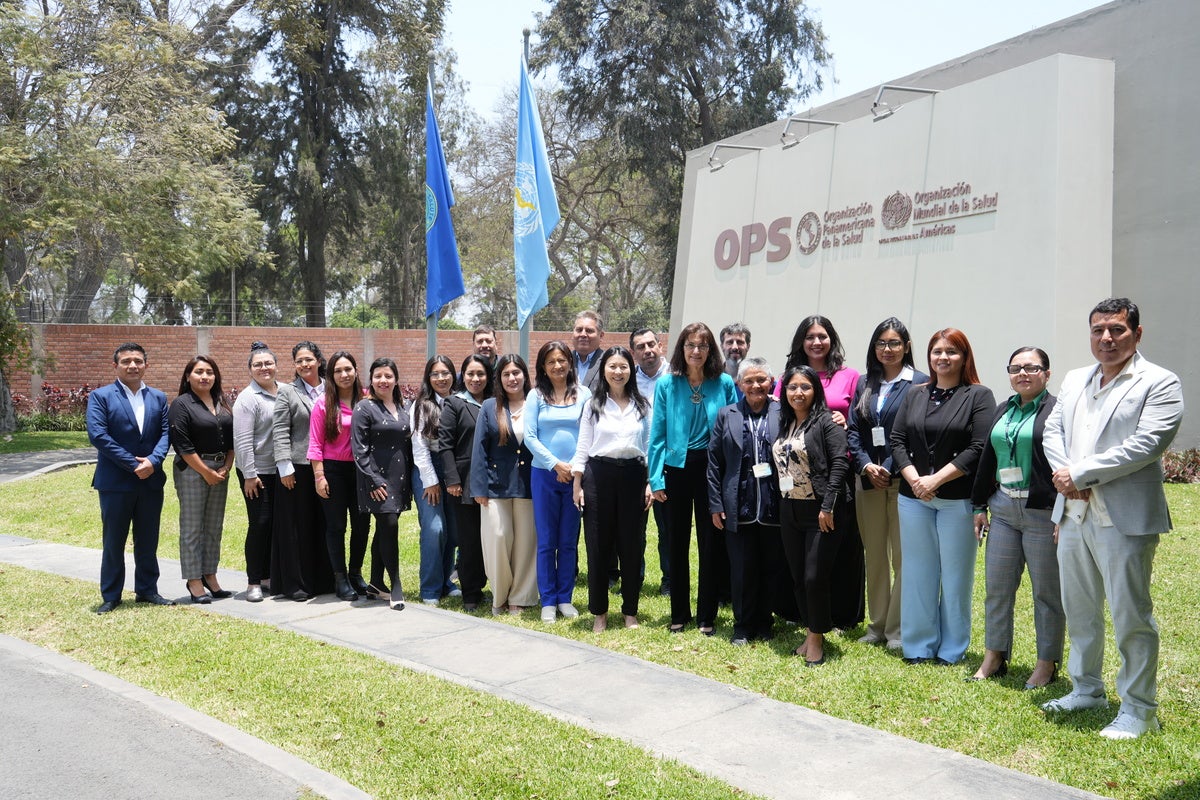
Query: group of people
[(808, 490)]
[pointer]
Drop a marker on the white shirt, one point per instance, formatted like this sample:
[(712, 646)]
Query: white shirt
[(885, 387), (138, 401), (1088, 414), (618, 433), (420, 445)]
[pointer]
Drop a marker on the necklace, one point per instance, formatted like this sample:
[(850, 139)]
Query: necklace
[(697, 395)]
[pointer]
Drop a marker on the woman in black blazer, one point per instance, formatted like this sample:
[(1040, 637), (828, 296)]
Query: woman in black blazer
[(877, 398), (456, 436), (381, 440), (936, 441), (810, 460), (499, 482), (1014, 481)]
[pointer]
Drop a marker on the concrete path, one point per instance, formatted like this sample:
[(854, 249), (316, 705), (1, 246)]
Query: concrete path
[(17, 466), (740, 737)]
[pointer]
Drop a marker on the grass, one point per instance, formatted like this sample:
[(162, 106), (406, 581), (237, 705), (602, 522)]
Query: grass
[(391, 732), (995, 721), (35, 441)]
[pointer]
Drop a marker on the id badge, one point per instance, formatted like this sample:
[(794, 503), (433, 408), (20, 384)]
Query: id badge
[(762, 470), (878, 437), (786, 484), (1011, 475)]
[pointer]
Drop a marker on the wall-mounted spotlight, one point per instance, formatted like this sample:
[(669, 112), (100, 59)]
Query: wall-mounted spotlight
[(715, 163), (881, 110), (790, 139)]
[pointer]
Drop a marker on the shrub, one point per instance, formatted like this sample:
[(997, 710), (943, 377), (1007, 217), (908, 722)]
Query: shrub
[(1181, 466), (56, 409)]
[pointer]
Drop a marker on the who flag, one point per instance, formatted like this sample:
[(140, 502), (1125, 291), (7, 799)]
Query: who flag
[(443, 270), (535, 206)]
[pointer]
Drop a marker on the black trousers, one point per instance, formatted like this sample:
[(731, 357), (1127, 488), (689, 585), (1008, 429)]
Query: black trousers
[(341, 504), (260, 516), (614, 522), (687, 497), (299, 557), (849, 580), (471, 575), (385, 551), (757, 578), (119, 511), (810, 556)]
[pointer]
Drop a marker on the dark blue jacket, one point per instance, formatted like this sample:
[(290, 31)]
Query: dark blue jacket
[(858, 434), (497, 470), (113, 431)]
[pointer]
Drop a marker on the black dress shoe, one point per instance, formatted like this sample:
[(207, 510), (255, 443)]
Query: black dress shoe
[(200, 599), (218, 594), (155, 599), (299, 595), (107, 606), (358, 584), (912, 662), (739, 641)]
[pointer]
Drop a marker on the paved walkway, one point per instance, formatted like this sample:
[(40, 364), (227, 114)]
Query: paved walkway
[(17, 466), (732, 734)]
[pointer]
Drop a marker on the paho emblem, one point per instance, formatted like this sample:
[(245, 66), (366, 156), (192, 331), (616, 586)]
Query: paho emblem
[(808, 233), (525, 210), (431, 208)]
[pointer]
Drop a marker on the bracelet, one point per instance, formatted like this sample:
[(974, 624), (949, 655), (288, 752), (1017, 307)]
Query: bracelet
[(320, 477)]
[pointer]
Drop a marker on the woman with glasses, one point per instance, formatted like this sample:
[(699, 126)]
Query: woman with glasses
[(686, 403), (816, 344), (299, 559), (1013, 483), (437, 526), (936, 441), (254, 449), (877, 398)]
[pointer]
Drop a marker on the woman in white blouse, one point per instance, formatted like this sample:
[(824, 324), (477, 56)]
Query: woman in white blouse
[(437, 527), (611, 483)]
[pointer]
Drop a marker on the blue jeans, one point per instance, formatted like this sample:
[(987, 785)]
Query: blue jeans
[(437, 542), (557, 522), (937, 542)]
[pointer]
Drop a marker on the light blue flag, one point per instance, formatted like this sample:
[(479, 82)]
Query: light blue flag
[(443, 271), (535, 206)]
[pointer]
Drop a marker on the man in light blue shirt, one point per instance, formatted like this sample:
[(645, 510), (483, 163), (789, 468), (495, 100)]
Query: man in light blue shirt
[(647, 352)]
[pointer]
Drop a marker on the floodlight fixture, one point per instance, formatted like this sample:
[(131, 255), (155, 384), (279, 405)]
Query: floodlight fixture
[(881, 110)]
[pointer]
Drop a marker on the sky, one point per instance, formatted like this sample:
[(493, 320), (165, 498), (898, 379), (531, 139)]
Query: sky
[(872, 41)]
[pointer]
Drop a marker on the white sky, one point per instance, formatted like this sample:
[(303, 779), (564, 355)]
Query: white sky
[(872, 40)]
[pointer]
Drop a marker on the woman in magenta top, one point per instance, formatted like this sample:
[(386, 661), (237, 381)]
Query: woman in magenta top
[(816, 344), (333, 467)]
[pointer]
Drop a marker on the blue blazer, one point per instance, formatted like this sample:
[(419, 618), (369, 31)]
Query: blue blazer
[(113, 431), (497, 470), (725, 451), (858, 433), (671, 415)]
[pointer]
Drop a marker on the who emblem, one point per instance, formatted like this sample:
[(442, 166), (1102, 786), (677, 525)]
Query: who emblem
[(526, 219), (431, 208)]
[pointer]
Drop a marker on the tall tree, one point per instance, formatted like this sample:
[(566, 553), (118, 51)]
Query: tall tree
[(669, 76)]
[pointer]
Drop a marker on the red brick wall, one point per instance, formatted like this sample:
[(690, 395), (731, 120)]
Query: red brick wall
[(83, 353)]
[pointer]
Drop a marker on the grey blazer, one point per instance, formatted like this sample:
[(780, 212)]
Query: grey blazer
[(1138, 422), (289, 428)]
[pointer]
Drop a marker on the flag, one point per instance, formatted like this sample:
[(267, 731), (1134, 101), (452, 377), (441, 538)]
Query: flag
[(443, 271), (535, 206)]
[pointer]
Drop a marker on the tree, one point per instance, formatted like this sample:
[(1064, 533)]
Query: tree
[(669, 76)]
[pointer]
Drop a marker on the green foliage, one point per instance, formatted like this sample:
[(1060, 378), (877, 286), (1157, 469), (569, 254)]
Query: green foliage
[(362, 315), (1181, 466)]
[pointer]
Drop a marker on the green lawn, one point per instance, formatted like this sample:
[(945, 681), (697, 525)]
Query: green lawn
[(34, 441), (996, 721)]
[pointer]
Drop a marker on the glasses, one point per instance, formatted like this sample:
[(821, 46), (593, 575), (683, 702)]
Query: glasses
[(695, 348), (440, 376), (797, 388), (889, 344), (263, 365), (1028, 369)]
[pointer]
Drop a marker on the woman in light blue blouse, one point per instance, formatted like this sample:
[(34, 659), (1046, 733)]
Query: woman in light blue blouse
[(551, 433), (686, 403)]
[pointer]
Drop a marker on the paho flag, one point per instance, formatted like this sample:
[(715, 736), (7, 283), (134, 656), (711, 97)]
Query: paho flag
[(535, 206), (443, 271)]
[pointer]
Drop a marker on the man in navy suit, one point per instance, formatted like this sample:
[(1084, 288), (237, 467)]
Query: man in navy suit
[(127, 423)]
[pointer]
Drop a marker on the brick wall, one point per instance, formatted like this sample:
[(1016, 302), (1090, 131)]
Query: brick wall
[(83, 353)]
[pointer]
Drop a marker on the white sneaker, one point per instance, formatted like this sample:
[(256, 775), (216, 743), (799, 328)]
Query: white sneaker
[(548, 614), (429, 601), (1127, 726), (895, 644), (1075, 701), (871, 638), (567, 610), (455, 592)]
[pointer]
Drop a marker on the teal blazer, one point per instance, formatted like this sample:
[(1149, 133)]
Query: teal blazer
[(672, 412)]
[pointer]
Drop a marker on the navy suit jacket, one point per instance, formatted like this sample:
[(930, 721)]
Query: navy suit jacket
[(725, 450), (497, 470), (863, 451), (114, 432)]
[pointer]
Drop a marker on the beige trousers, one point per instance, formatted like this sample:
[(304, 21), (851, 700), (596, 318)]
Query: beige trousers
[(879, 527), (510, 551)]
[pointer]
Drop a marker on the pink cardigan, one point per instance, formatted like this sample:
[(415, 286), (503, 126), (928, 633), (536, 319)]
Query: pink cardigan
[(318, 448)]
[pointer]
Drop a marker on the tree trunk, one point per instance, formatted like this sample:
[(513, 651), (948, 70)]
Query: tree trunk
[(8, 415), (312, 264)]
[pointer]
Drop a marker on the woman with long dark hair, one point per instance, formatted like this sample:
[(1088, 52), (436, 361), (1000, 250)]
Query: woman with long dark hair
[(810, 459), (816, 344), (609, 483), (381, 440), (456, 436), (202, 435), (686, 403), (552, 416), (437, 527), (254, 449), (335, 475), (499, 482), (1014, 483), (938, 436), (299, 559), (877, 398)]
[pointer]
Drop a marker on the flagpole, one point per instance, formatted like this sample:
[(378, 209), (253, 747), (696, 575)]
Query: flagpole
[(431, 320), (523, 345)]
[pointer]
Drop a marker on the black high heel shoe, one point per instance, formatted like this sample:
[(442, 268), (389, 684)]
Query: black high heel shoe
[(200, 599), (218, 594), (1053, 677), (378, 592)]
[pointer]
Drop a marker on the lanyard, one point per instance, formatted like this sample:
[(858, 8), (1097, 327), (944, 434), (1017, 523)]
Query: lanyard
[(1012, 434)]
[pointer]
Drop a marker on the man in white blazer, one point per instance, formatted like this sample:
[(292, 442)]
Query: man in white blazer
[(1105, 440)]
